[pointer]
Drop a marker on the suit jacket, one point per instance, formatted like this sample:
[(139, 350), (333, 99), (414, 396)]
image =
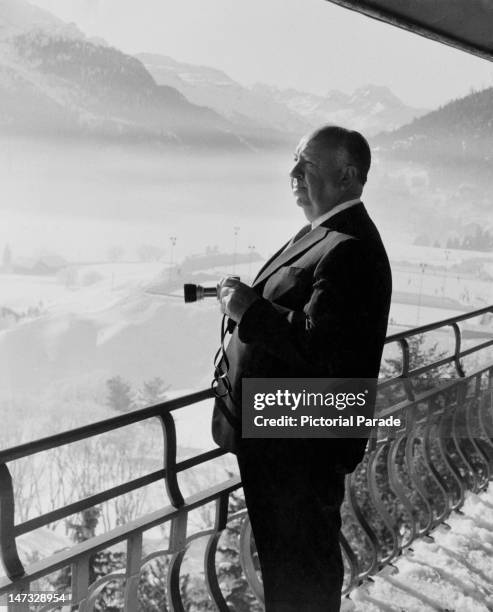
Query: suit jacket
[(323, 313)]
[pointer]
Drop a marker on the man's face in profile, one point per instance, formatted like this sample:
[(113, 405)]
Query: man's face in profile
[(314, 179)]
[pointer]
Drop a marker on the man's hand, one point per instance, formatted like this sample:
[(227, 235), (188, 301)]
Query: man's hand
[(235, 297)]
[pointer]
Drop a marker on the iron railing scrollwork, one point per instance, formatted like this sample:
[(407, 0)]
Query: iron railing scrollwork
[(408, 484)]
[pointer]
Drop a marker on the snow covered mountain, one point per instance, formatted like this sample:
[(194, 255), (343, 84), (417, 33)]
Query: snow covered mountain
[(244, 107), (371, 109), (56, 82)]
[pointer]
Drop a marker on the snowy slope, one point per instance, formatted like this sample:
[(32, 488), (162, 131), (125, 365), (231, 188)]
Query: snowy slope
[(107, 328), (18, 17)]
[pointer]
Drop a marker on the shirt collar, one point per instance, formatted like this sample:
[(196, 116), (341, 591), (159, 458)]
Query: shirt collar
[(333, 211)]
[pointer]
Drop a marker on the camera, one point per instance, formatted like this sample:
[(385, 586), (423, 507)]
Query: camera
[(193, 293)]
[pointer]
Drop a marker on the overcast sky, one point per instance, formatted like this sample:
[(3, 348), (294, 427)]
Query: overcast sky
[(311, 45)]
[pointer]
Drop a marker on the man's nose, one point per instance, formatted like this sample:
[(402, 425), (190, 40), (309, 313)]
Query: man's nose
[(296, 172)]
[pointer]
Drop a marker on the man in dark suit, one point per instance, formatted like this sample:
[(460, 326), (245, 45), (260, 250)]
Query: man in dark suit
[(318, 308)]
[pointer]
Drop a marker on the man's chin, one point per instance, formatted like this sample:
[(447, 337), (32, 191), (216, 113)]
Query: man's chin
[(302, 201)]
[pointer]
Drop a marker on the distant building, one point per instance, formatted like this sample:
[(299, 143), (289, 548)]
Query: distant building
[(46, 265)]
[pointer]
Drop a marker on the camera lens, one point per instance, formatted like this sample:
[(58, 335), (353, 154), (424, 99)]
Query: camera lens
[(190, 292)]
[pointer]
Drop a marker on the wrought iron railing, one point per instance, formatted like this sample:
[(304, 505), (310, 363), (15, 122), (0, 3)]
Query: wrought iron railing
[(410, 481)]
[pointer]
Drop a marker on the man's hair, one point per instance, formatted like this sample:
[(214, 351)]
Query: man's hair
[(354, 144)]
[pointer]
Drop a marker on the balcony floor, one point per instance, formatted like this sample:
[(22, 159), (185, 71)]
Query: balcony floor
[(455, 572)]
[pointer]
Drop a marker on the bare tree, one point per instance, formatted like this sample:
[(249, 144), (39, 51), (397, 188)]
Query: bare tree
[(150, 252)]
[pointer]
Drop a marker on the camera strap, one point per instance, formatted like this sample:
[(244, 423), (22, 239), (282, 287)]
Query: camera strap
[(221, 369)]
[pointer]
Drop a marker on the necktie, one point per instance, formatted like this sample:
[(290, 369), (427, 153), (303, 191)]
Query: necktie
[(304, 230)]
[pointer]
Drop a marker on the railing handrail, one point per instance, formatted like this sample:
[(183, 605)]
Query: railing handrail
[(103, 426), (99, 427), (123, 532), (415, 331), (447, 384), (108, 494)]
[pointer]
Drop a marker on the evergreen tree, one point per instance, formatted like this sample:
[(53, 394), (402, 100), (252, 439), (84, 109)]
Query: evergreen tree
[(419, 355), (100, 563), (194, 595), (236, 590), (153, 391), (120, 396), (151, 594)]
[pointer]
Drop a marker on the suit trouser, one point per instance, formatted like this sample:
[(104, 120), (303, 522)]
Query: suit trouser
[(293, 498)]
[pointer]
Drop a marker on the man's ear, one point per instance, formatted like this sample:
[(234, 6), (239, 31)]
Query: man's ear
[(349, 175)]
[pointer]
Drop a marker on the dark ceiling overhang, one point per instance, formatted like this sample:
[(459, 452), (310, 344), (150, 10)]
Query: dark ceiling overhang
[(464, 24)]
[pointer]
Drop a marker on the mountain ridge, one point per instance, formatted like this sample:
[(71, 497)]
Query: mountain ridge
[(289, 110), (56, 82)]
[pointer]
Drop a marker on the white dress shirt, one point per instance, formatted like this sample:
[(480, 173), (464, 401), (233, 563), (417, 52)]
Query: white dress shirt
[(333, 211)]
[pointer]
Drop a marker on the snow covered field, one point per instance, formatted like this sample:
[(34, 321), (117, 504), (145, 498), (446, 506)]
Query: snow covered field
[(96, 321)]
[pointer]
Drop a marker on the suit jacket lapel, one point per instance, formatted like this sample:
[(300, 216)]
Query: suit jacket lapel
[(299, 247), (269, 261)]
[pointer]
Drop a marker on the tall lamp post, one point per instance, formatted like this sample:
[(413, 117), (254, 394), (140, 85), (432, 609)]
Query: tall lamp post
[(236, 230), (445, 274), (172, 240), (423, 268)]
